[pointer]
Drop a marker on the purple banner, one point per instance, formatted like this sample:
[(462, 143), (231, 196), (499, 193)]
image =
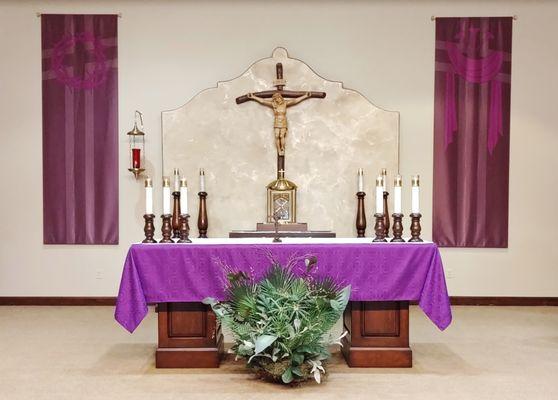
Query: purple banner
[(472, 131), (80, 129)]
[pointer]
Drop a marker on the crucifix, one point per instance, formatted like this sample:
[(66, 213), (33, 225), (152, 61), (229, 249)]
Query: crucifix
[(280, 100), (281, 193)]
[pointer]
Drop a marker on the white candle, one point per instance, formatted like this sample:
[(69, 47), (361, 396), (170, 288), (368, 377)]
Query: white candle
[(379, 196), (166, 196), (415, 195), (202, 180), (183, 196), (384, 178), (148, 196), (397, 195), (360, 180), (176, 180)]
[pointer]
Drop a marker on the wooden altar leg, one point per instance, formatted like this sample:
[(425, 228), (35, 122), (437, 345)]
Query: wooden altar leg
[(189, 336), (378, 334)]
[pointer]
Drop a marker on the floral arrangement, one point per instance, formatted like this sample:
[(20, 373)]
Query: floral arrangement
[(280, 322)]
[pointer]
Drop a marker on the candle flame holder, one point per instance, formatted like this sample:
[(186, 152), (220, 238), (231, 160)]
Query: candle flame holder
[(184, 229), (397, 228), (379, 228), (136, 140), (149, 228), (166, 229), (415, 227)]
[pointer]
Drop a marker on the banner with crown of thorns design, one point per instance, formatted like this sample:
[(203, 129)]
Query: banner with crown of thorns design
[(80, 129)]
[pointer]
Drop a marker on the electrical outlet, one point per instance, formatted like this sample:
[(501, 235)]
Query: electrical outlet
[(449, 273)]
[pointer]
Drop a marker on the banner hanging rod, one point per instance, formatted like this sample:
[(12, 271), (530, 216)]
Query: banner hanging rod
[(119, 15), (433, 18)]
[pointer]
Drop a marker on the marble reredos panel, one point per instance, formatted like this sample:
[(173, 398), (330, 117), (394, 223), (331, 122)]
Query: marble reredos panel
[(328, 140)]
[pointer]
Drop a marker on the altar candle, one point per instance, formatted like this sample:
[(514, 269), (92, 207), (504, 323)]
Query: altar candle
[(384, 177), (202, 180), (176, 177), (415, 195), (183, 196), (166, 196), (397, 194), (148, 196), (379, 195), (360, 180)]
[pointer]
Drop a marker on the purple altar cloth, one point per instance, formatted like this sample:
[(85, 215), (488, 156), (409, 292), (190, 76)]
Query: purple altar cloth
[(161, 273)]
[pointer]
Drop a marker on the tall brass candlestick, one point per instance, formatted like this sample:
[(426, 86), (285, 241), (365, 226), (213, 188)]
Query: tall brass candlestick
[(202, 216), (361, 215)]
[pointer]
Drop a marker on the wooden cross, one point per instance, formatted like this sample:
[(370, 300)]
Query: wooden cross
[(280, 132)]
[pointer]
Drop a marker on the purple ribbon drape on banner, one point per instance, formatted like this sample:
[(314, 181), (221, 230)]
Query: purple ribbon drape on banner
[(80, 129), (472, 131)]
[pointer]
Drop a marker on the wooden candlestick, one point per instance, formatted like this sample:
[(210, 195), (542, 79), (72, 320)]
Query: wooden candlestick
[(415, 227), (379, 228), (166, 229), (202, 216), (149, 229), (176, 215), (397, 228), (361, 215), (386, 214), (184, 229)]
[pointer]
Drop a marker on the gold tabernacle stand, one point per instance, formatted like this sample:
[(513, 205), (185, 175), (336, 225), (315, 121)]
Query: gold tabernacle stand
[(269, 230), (282, 233), (281, 200)]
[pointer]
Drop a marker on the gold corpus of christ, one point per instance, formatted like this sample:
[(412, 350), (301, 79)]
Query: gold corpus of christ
[(281, 193)]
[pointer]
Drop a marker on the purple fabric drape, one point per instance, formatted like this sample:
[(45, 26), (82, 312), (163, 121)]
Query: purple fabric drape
[(161, 273), (472, 131), (80, 129)]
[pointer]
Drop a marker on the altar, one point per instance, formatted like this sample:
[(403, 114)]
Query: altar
[(384, 278), (281, 288)]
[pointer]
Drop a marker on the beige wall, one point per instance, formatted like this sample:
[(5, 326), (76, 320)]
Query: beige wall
[(170, 50)]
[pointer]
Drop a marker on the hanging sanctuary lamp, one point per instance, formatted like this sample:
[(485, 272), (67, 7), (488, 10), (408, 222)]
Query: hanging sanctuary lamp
[(136, 139)]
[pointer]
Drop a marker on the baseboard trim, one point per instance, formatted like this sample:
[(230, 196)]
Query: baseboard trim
[(57, 301), (111, 301), (503, 301)]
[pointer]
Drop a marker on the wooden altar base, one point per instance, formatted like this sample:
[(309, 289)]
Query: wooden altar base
[(378, 334), (190, 336)]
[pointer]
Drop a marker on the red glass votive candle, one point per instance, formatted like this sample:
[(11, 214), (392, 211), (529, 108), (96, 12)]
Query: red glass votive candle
[(136, 158)]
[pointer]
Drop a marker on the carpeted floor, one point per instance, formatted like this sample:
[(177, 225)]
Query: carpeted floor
[(81, 353)]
